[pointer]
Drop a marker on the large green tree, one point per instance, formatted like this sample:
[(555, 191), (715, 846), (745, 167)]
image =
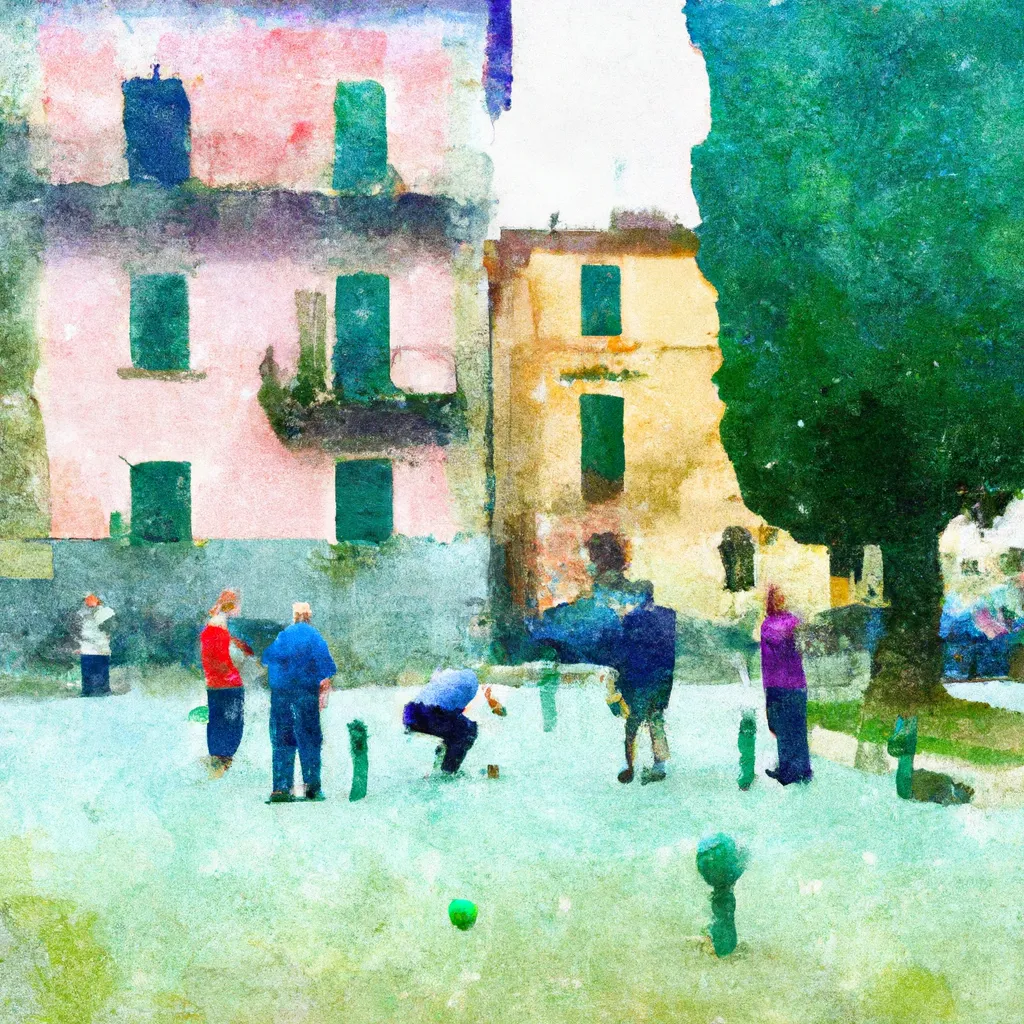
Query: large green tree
[(862, 196)]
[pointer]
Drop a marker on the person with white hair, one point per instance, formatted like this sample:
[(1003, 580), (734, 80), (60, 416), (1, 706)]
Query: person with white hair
[(300, 668)]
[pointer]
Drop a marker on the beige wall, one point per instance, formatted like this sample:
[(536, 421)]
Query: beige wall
[(680, 490)]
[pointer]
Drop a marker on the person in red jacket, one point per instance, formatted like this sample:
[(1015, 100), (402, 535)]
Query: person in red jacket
[(224, 693)]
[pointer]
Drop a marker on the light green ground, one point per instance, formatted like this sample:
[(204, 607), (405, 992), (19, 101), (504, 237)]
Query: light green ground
[(211, 906)]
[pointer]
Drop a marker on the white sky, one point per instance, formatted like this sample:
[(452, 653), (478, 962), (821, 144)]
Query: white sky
[(608, 98)]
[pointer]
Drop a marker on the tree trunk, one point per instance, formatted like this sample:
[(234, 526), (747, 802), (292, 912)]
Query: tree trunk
[(907, 667)]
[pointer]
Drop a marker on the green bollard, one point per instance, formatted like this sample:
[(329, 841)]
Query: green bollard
[(721, 864), (548, 708), (360, 759), (746, 743), (903, 745)]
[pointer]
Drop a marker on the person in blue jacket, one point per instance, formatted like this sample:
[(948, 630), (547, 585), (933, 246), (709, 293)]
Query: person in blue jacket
[(300, 668), (646, 665)]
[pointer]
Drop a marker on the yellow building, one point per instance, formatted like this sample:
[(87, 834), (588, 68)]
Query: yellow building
[(606, 419)]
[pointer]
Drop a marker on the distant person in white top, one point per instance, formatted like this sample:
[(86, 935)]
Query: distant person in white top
[(94, 646), (438, 710)]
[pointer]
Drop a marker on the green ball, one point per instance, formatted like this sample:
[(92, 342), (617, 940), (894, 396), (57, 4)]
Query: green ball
[(462, 914), (199, 714)]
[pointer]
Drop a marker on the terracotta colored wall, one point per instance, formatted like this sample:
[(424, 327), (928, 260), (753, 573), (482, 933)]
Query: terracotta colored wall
[(245, 483), (262, 96)]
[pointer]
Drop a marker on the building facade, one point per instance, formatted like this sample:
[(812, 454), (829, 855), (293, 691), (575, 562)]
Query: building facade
[(262, 318), (153, 333), (606, 419)]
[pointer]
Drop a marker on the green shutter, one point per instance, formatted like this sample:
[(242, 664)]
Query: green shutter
[(360, 136), (161, 502), (601, 300), (159, 322), (363, 496), (602, 449), (362, 351)]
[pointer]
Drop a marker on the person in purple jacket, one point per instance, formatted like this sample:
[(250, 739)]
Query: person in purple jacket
[(785, 690)]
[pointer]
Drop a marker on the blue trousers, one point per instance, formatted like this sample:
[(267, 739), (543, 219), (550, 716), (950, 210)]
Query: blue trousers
[(456, 730), (295, 725), (95, 675), (787, 720), (227, 718)]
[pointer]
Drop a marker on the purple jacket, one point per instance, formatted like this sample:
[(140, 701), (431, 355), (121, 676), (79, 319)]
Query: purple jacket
[(781, 664)]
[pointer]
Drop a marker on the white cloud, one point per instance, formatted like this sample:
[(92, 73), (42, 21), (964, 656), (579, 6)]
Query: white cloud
[(607, 100)]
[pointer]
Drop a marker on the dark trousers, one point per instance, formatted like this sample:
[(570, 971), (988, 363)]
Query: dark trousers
[(456, 730), (787, 720), (224, 728), (95, 675), (295, 725)]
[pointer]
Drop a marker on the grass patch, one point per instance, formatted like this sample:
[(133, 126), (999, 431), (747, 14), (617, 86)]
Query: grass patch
[(967, 730), (839, 716), (38, 686)]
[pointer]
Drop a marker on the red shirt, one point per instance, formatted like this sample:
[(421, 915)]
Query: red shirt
[(215, 647)]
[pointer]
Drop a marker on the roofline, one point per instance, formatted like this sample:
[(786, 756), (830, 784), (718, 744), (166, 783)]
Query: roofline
[(513, 250)]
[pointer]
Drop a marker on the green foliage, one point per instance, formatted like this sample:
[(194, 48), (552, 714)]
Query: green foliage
[(909, 995), (346, 560), (838, 716), (863, 224), (23, 464), (596, 373), (73, 977)]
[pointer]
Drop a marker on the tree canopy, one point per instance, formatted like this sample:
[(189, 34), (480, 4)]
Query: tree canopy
[(863, 222)]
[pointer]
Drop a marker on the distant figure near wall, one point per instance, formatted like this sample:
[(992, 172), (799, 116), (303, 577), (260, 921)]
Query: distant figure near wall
[(94, 619), (300, 668)]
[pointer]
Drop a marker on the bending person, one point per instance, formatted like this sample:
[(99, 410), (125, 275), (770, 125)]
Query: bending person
[(439, 710)]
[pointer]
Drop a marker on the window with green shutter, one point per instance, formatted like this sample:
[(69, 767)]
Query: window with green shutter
[(362, 349), (600, 300), (360, 136), (602, 449), (159, 322), (161, 502), (363, 500)]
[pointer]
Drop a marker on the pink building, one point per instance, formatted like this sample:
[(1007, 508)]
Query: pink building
[(152, 337), (263, 90)]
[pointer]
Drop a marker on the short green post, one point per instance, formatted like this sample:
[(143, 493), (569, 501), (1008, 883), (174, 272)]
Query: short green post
[(548, 706), (360, 759), (746, 743), (721, 863), (903, 745)]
